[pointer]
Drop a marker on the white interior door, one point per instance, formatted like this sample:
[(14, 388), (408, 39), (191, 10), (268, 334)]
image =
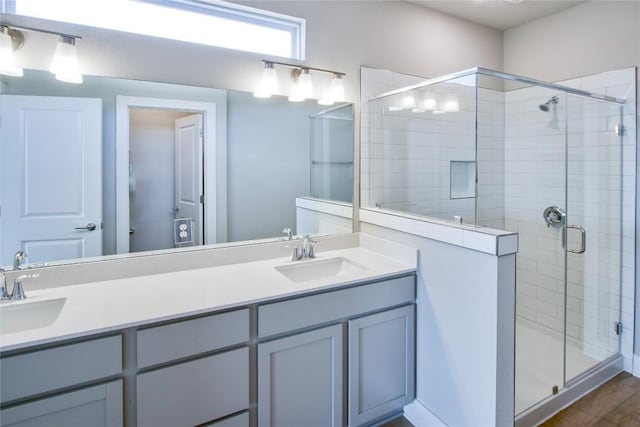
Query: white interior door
[(51, 177), (188, 172)]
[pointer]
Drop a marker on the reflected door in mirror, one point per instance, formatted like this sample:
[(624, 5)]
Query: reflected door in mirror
[(51, 174)]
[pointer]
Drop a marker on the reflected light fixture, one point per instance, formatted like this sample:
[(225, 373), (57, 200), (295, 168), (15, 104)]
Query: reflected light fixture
[(8, 65), (65, 61), (451, 104), (303, 86), (268, 84), (65, 58)]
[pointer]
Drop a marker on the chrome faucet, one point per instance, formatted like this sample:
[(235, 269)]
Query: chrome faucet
[(305, 250), (18, 259), (288, 232), (18, 292)]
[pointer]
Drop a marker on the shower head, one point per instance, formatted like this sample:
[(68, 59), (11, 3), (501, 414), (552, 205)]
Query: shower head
[(552, 101)]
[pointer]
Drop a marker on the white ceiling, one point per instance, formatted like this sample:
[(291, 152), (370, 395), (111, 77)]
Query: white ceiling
[(498, 14)]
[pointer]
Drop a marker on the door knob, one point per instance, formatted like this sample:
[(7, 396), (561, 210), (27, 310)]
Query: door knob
[(89, 227)]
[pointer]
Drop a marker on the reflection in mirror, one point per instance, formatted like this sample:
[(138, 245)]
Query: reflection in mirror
[(120, 166)]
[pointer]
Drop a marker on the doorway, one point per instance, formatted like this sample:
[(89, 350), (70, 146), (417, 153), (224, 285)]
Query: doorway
[(166, 183), (140, 181)]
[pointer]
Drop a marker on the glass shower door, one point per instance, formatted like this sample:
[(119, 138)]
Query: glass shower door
[(593, 234), (535, 194)]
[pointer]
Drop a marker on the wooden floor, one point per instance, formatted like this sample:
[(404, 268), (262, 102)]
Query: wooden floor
[(614, 404)]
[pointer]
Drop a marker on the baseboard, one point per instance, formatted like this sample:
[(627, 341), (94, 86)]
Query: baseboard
[(636, 366), (420, 416)]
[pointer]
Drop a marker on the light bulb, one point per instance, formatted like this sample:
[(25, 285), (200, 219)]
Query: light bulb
[(306, 86), (296, 94), (429, 102), (65, 61), (8, 65), (268, 84), (337, 88)]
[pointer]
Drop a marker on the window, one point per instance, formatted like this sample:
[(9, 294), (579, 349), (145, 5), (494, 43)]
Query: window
[(208, 22)]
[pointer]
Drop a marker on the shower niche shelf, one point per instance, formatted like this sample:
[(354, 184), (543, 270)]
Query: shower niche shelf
[(463, 179)]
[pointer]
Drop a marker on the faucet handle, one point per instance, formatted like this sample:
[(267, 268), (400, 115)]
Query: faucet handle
[(311, 252), (4, 295), (18, 291), (297, 252)]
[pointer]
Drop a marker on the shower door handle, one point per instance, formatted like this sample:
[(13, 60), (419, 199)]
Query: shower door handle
[(583, 239)]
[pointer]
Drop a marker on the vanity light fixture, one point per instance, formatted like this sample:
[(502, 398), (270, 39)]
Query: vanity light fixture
[(65, 61), (268, 83), (8, 65), (303, 86)]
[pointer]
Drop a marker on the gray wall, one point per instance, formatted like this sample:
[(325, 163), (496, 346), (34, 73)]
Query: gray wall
[(268, 163)]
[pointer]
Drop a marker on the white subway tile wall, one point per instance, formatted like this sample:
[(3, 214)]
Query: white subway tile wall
[(522, 156)]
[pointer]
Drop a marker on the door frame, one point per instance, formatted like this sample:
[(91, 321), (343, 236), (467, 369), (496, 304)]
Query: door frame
[(215, 161)]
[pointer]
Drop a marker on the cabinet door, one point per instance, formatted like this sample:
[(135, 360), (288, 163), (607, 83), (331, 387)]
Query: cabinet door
[(99, 406), (381, 364), (196, 392), (300, 380)]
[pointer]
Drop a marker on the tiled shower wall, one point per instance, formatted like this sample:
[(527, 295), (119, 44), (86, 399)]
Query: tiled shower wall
[(407, 156), (535, 167)]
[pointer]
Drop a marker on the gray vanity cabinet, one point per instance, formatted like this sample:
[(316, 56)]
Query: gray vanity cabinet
[(98, 406), (66, 385), (303, 371), (208, 373), (381, 364), (300, 379)]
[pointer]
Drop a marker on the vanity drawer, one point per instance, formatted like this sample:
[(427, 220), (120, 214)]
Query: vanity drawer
[(42, 371), (190, 337), (196, 392), (298, 313)]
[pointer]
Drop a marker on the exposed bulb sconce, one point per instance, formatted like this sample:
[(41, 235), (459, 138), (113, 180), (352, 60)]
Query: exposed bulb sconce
[(10, 40), (268, 84), (303, 86), (65, 61)]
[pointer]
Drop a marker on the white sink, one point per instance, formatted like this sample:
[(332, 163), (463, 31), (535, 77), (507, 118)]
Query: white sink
[(24, 315), (303, 271)]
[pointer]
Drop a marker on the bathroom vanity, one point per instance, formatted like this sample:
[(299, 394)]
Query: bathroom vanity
[(269, 342)]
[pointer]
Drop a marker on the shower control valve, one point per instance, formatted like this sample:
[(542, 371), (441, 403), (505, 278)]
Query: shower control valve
[(554, 216)]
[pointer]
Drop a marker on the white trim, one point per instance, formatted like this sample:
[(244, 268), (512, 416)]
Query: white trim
[(420, 415), (636, 366), (481, 239), (215, 161), (331, 207)]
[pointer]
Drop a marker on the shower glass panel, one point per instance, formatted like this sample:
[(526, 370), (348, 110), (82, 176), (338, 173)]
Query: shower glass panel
[(516, 154), (332, 154), (421, 151), (534, 180), (594, 203)]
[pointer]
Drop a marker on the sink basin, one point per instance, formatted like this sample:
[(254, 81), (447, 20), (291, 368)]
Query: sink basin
[(302, 271), (24, 315)]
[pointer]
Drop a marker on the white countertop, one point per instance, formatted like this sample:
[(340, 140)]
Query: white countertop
[(116, 304)]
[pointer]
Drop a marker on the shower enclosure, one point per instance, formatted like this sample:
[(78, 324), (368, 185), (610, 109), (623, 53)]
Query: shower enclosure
[(332, 154), (495, 150)]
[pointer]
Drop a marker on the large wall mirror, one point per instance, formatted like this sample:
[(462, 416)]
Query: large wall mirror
[(114, 166)]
